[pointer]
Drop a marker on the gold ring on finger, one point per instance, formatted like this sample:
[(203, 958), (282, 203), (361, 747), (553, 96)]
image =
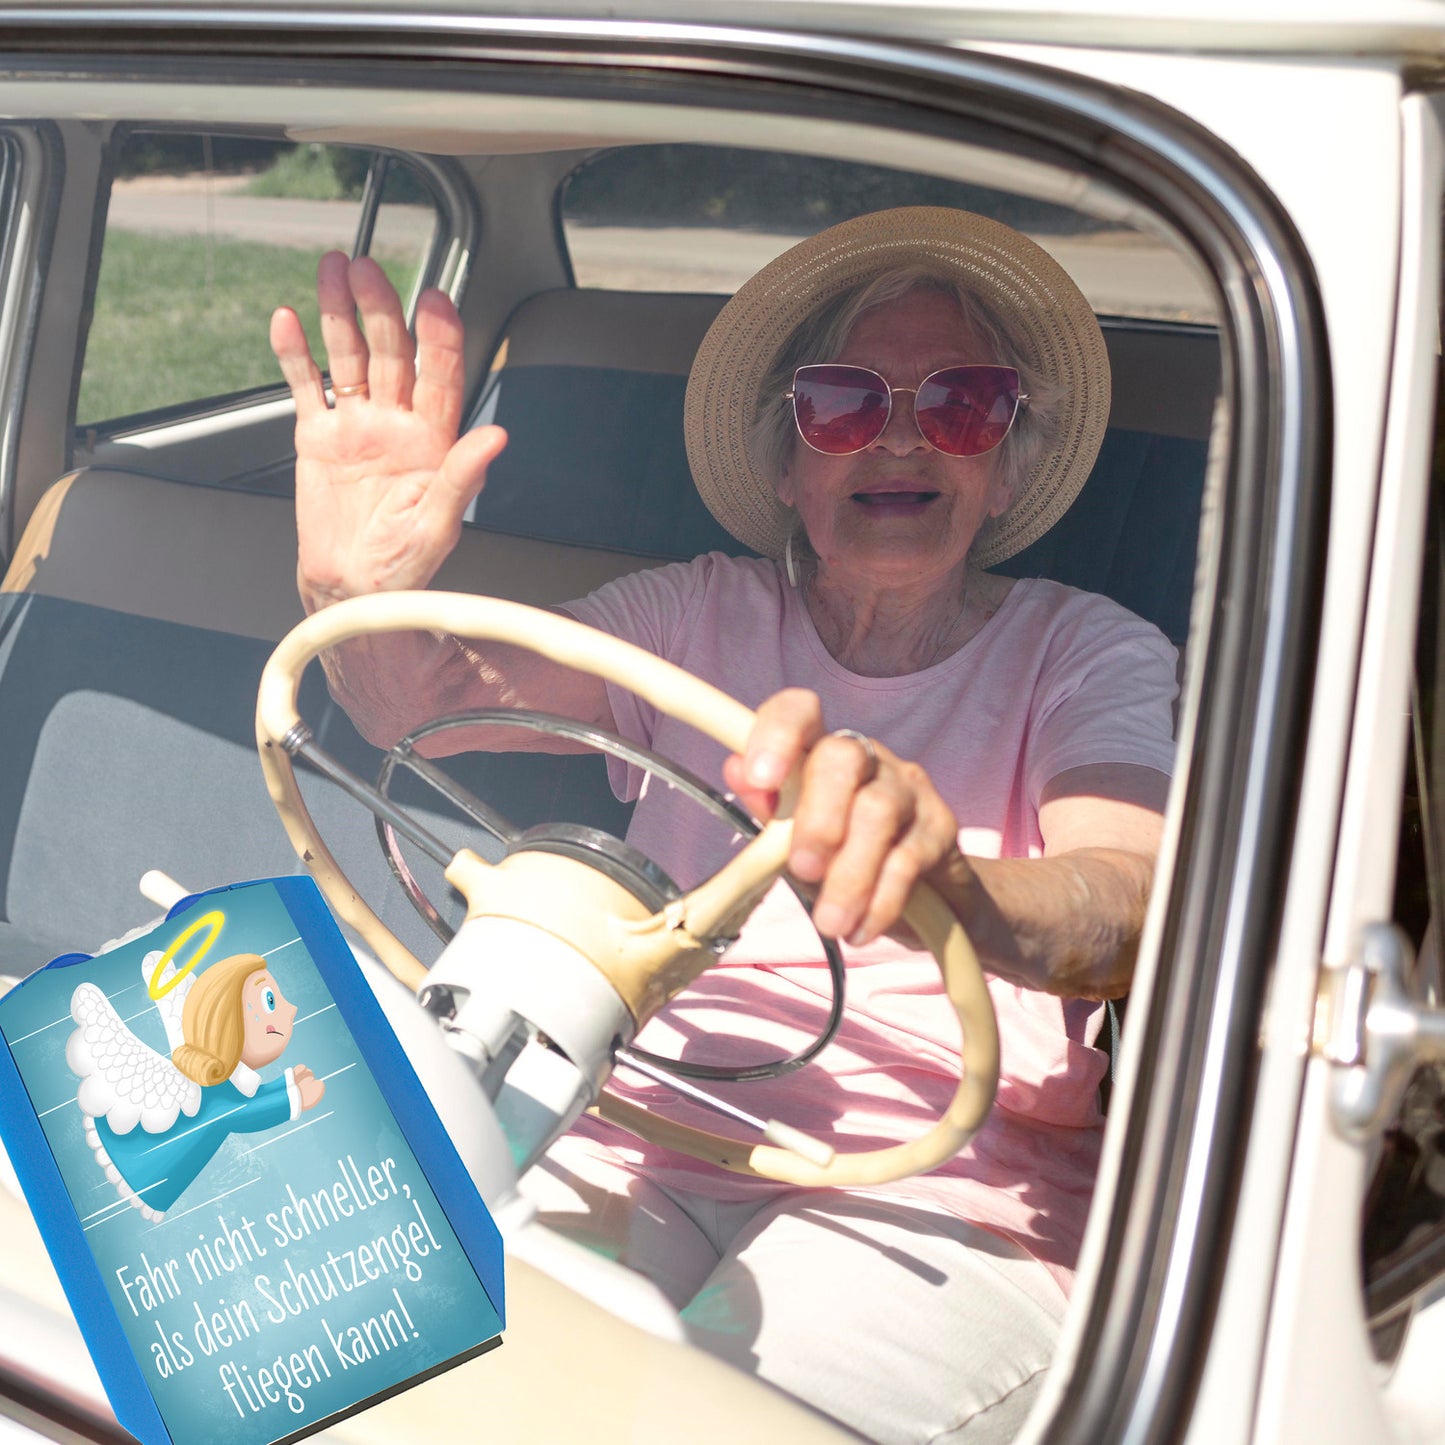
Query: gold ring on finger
[(870, 753), (361, 388)]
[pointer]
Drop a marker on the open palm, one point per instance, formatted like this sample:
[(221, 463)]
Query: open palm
[(382, 480)]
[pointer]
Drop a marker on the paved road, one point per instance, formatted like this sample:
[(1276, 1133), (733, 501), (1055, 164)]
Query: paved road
[(1121, 273)]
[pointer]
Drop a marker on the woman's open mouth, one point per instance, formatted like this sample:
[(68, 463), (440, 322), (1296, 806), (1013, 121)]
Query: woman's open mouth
[(899, 502)]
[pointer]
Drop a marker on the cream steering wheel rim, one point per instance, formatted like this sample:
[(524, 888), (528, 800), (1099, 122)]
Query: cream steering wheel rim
[(720, 717)]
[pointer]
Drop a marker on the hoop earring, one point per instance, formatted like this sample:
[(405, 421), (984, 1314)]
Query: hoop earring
[(789, 565)]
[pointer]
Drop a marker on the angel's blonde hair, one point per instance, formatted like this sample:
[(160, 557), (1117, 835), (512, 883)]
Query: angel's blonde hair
[(212, 1021)]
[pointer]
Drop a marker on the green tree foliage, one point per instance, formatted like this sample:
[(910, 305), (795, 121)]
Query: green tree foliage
[(305, 170), (146, 153), (694, 185)]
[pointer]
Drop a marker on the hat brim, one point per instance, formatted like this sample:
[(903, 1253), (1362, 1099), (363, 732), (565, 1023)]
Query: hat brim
[(1012, 275)]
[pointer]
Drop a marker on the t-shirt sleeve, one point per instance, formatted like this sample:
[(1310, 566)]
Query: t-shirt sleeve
[(1106, 695), (649, 609)]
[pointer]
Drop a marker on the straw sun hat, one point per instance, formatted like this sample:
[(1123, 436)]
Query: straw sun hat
[(1022, 284)]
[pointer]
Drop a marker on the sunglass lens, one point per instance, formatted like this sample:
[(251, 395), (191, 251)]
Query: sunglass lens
[(968, 410), (840, 409)]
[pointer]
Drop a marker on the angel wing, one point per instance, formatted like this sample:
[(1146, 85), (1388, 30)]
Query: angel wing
[(120, 1076), (171, 1003)]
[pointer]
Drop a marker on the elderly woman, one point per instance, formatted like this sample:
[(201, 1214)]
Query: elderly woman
[(882, 413)]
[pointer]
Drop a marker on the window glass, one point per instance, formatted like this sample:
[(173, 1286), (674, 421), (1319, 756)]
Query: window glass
[(705, 218), (205, 235), (590, 381)]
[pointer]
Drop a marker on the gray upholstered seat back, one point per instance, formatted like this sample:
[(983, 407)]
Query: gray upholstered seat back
[(127, 699), (589, 385)]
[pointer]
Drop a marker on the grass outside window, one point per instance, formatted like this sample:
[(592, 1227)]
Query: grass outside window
[(186, 318)]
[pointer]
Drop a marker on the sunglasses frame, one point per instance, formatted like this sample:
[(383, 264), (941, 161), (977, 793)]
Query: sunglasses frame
[(791, 396)]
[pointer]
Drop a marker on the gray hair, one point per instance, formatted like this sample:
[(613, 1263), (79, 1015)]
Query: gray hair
[(822, 335)]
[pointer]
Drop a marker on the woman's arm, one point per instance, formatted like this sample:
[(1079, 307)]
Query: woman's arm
[(382, 484), (1067, 923)]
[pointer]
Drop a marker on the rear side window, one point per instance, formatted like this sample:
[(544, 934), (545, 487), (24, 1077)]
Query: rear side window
[(705, 218), (590, 380), (205, 234)]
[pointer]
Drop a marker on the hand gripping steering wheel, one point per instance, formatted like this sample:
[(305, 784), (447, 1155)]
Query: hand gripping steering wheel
[(647, 957)]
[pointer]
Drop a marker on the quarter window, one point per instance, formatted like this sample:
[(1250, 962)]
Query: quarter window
[(205, 235)]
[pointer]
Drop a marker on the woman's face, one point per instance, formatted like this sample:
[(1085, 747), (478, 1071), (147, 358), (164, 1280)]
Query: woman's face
[(898, 512), (266, 1019)]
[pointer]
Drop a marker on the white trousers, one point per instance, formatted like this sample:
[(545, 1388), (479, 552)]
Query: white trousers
[(907, 1325)]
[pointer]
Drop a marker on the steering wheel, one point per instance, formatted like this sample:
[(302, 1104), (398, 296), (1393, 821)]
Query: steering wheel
[(646, 956), (645, 876)]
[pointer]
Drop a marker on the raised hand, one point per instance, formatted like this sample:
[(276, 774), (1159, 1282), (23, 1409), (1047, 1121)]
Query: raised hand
[(382, 480)]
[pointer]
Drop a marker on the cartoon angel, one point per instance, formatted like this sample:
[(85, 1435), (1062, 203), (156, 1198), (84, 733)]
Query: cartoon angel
[(153, 1122)]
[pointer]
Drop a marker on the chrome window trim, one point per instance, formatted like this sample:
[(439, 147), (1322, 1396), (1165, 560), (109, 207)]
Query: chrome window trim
[(29, 201), (1252, 658)]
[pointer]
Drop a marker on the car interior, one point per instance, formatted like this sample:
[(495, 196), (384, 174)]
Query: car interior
[(149, 574), (140, 605)]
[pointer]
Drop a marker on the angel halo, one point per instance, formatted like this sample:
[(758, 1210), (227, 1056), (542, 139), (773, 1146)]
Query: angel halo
[(154, 1122)]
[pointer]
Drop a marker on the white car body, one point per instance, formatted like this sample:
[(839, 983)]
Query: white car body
[(1219, 1297)]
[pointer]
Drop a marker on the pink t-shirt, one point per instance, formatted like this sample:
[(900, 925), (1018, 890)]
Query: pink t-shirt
[(1055, 680)]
